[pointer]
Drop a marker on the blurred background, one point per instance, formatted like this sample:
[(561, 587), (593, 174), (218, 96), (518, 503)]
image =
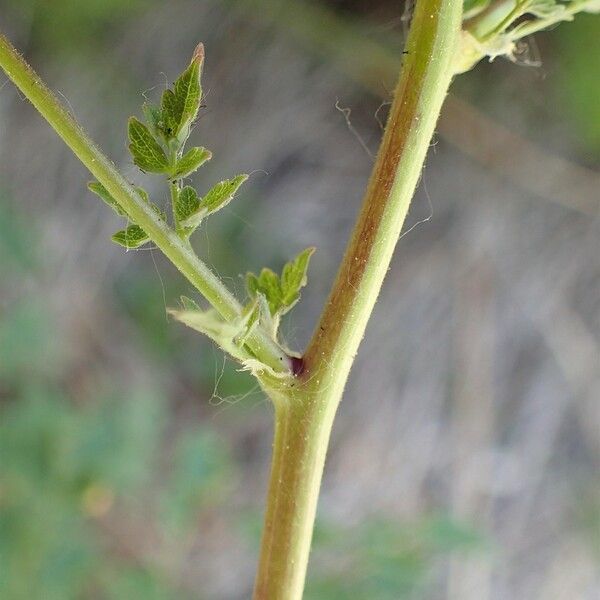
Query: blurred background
[(464, 461)]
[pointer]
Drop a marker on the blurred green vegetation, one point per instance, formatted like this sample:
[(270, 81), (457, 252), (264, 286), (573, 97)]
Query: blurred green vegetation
[(386, 560), (578, 83)]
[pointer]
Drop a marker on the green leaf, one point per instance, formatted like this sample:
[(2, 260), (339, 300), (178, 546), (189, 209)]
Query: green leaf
[(132, 237), (266, 284), (169, 114), (281, 293), (194, 210), (187, 88), (271, 288), (180, 106), (186, 206), (293, 278), (211, 324), (222, 194), (191, 161), (97, 188), (146, 151)]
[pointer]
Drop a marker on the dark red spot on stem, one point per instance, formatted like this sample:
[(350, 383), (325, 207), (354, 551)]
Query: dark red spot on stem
[(297, 365)]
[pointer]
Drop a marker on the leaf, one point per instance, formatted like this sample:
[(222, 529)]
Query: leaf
[(97, 188), (218, 197), (180, 106), (132, 237), (146, 151), (293, 278), (211, 324), (169, 114), (281, 293), (270, 287), (187, 88), (221, 194), (187, 205), (266, 284), (191, 161)]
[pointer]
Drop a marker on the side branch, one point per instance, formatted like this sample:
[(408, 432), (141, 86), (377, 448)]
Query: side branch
[(179, 252)]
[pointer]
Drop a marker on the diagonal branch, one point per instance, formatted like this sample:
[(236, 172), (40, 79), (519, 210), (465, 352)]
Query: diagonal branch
[(179, 252)]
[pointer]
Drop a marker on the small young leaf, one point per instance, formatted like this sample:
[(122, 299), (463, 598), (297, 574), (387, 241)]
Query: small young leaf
[(221, 194), (211, 324), (180, 106), (132, 237), (266, 284), (187, 89), (293, 277), (97, 188), (281, 294), (186, 206), (146, 151), (190, 161)]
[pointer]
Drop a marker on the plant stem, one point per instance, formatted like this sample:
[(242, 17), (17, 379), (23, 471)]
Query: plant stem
[(178, 251), (303, 422)]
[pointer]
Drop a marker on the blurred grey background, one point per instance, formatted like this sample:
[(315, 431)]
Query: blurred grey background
[(464, 461)]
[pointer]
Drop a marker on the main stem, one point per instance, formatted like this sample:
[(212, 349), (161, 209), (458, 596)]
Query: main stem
[(179, 251), (304, 417)]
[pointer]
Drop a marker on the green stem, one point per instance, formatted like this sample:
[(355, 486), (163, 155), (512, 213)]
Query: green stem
[(174, 189), (177, 250), (303, 421)]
